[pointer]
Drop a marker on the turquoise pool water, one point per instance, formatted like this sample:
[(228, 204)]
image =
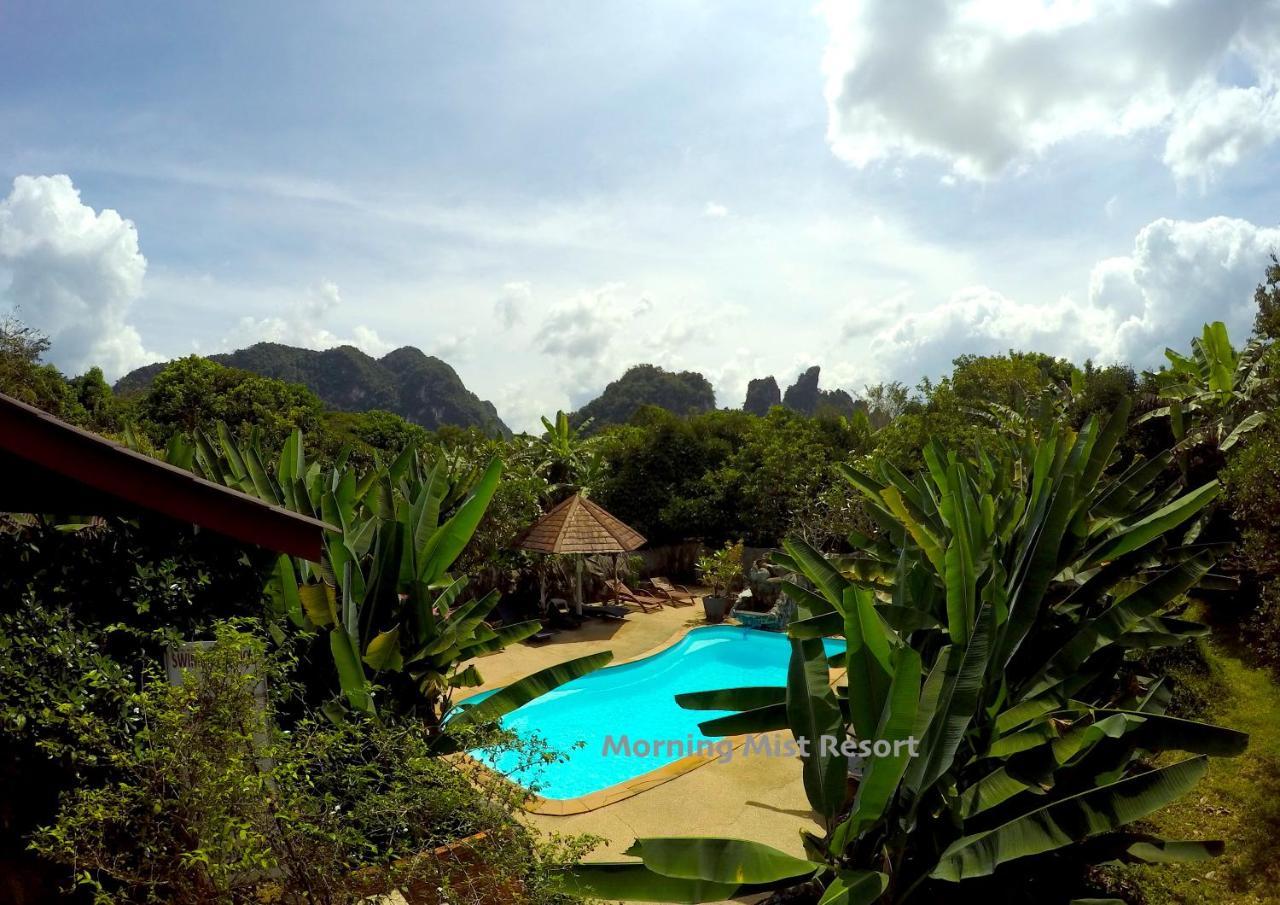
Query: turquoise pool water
[(637, 700)]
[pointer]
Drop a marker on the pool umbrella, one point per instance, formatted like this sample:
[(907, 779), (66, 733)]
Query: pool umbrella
[(580, 526)]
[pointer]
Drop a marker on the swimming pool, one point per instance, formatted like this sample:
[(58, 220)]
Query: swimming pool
[(637, 700)]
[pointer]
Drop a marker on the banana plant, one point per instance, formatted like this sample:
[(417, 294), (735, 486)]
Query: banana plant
[(1212, 396), (403, 630), (993, 623), (566, 457)]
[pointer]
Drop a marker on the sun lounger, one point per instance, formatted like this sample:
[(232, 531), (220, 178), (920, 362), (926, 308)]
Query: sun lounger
[(624, 594), (676, 593), (604, 611), (559, 613)]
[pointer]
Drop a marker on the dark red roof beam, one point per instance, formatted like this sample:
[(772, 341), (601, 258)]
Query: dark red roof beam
[(73, 471)]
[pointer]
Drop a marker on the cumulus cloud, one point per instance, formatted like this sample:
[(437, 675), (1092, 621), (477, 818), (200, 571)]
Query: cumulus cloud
[(1221, 127), (303, 324), (982, 321), (715, 211), (511, 305), (1178, 275), (863, 316), (591, 335), (73, 272), (982, 84)]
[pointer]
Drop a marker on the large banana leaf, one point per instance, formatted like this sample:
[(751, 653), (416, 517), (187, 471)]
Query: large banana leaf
[(881, 777), (818, 570), (448, 541), (855, 887), (1068, 820), (958, 697), (769, 718), (733, 698), (1116, 621), (813, 713), (719, 860), (521, 692), (1158, 523), (867, 660), (633, 882)]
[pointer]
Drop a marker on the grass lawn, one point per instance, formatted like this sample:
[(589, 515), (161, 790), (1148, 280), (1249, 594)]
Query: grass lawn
[(1237, 801)]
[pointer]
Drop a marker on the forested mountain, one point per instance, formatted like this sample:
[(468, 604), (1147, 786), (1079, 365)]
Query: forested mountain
[(682, 392), (762, 395), (803, 396), (418, 387)]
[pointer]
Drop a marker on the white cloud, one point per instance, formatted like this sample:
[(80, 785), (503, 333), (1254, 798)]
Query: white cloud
[(982, 321), (454, 347), (715, 211), (1218, 129), (510, 306), (592, 336), (74, 273), (1179, 275), (983, 84), (863, 316), (303, 324)]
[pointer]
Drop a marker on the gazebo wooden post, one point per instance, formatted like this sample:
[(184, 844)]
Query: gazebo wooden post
[(577, 566)]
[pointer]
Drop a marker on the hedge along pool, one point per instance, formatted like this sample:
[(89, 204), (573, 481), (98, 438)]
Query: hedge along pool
[(636, 700)]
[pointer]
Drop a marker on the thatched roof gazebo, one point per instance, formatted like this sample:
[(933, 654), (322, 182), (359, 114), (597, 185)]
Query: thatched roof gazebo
[(579, 526)]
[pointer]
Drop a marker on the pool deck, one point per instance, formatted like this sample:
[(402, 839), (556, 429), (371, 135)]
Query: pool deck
[(758, 798)]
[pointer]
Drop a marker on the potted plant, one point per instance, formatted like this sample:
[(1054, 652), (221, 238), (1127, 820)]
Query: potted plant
[(720, 570)]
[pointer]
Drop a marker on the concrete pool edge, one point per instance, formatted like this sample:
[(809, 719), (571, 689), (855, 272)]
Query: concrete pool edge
[(628, 788)]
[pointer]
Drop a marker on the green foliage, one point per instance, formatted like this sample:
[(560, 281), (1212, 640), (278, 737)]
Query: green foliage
[(194, 394), (401, 626), (1213, 397), (722, 475), (1238, 800), (1267, 296), (25, 378), (971, 407), (565, 457), (370, 434), (213, 803), (1019, 584), (86, 608), (1100, 391), (721, 568), (1252, 479), (682, 393)]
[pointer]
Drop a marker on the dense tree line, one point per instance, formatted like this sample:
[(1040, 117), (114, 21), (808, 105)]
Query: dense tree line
[(664, 460)]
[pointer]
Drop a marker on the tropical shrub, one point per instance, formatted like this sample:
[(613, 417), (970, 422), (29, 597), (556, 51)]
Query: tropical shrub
[(211, 802), (721, 568), (400, 626), (993, 619)]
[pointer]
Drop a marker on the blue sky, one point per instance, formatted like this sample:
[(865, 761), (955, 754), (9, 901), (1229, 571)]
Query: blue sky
[(545, 193)]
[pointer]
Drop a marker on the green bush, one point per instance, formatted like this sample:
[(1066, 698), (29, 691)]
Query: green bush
[(210, 802), (1252, 481)]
